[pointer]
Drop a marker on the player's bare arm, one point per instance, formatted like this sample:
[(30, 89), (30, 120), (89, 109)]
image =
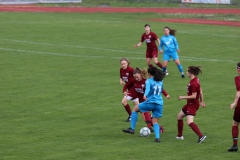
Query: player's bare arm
[(121, 81), (137, 45), (193, 96), (201, 99), (235, 100)]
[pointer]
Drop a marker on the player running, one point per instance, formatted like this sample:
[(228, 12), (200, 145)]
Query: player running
[(236, 116), (194, 92), (153, 101), (126, 74), (152, 51), (170, 44)]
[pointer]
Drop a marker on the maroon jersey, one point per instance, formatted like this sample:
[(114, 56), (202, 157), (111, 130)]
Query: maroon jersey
[(237, 83), (136, 88), (193, 87), (150, 40), (126, 74)]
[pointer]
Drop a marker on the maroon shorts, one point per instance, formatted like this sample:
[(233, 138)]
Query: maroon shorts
[(190, 109), (236, 115), (151, 53)]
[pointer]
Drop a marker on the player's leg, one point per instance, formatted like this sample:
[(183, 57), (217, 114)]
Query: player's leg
[(127, 107), (148, 120), (180, 123), (134, 118), (157, 113), (235, 131), (195, 128), (177, 61), (166, 59), (155, 58), (148, 58)]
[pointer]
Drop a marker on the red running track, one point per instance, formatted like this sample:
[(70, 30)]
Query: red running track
[(32, 8)]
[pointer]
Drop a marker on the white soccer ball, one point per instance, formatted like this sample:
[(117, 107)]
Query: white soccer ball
[(145, 132)]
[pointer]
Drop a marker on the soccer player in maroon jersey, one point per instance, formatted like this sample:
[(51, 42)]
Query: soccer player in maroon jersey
[(236, 116), (137, 85), (194, 92), (126, 74), (152, 50)]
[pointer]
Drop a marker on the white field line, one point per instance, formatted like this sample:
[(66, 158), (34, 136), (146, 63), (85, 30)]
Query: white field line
[(109, 57)]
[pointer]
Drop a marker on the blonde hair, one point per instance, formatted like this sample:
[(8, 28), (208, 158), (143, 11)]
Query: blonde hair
[(144, 72)]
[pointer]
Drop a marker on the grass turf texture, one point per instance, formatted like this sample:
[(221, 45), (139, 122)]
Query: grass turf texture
[(60, 92)]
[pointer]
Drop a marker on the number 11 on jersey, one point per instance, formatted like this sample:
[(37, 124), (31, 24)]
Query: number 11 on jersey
[(157, 90)]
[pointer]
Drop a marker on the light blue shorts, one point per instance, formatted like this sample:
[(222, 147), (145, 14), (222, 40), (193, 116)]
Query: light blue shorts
[(156, 109), (168, 56)]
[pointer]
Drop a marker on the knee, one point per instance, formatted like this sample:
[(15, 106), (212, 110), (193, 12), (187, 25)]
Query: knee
[(235, 123), (179, 117), (135, 109), (189, 122), (124, 102)]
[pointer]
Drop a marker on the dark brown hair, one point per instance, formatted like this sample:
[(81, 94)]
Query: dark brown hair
[(238, 65), (171, 31), (195, 70), (156, 73)]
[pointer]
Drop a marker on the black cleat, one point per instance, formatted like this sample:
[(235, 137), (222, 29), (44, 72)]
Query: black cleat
[(233, 149), (201, 139), (129, 130), (183, 76), (157, 140), (128, 119), (151, 130)]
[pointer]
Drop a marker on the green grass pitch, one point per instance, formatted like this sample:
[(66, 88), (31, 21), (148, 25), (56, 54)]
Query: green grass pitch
[(60, 96)]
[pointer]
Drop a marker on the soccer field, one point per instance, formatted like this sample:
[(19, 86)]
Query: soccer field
[(61, 98)]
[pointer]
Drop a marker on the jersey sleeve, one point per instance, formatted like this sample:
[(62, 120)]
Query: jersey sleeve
[(175, 43), (161, 44), (142, 38), (128, 85), (237, 83), (194, 87), (155, 36), (164, 93), (147, 88)]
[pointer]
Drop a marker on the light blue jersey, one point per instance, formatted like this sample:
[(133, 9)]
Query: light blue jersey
[(169, 43), (153, 91)]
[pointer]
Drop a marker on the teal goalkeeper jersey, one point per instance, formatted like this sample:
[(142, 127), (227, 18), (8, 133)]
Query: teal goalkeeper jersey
[(169, 43), (153, 91)]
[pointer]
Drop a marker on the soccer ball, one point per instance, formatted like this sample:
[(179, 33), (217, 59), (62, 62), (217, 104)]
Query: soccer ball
[(145, 132)]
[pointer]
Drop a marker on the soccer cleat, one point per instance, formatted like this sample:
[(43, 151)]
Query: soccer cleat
[(151, 130), (166, 73), (180, 138), (157, 140), (183, 76), (128, 119), (201, 139), (233, 149), (129, 130)]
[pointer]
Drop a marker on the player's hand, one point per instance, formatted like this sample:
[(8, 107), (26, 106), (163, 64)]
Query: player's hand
[(178, 51), (232, 105), (161, 51), (135, 45), (168, 97), (180, 97), (122, 83), (203, 104), (144, 98), (125, 93)]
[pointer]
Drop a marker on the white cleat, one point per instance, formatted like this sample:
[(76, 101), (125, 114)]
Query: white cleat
[(180, 138)]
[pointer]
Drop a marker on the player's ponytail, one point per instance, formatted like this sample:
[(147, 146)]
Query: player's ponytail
[(125, 59), (171, 31), (195, 70), (156, 73)]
